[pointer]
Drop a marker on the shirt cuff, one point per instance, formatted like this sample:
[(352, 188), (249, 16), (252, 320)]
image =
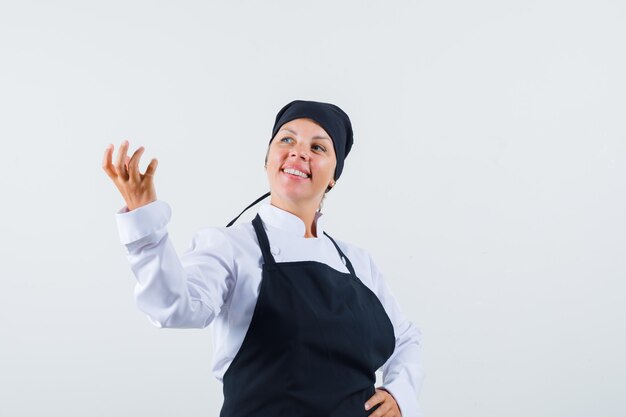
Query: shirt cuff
[(142, 221)]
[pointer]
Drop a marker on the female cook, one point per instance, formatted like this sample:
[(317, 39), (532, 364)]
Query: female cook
[(301, 321)]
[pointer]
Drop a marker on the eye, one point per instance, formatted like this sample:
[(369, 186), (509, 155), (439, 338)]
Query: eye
[(286, 137), (323, 149)]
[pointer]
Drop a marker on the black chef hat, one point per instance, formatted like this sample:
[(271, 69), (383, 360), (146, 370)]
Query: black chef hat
[(334, 121)]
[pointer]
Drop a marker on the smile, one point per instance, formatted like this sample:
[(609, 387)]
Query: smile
[(295, 172)]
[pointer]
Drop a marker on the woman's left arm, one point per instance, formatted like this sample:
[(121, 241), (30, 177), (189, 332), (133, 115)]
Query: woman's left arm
[(403, 372)]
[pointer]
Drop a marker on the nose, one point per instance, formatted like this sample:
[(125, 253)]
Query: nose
[(299, 151)]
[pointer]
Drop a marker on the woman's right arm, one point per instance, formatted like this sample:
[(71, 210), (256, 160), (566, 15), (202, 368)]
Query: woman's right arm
[(174, 292), (185, 292)]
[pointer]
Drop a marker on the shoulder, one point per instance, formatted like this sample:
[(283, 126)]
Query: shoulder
[(230, 248), (238, 243), (220, 235)]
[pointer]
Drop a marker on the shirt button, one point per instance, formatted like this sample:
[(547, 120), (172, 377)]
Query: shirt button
[(275, 250)]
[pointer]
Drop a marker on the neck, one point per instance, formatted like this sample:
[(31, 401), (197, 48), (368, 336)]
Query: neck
[(306, 213)]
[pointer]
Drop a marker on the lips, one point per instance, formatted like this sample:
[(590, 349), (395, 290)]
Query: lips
[(298, 172)]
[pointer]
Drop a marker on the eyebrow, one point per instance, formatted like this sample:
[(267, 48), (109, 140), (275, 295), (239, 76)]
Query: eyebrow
[(314, 137)]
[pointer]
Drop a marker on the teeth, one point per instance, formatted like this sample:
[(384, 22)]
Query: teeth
[(295, 172)]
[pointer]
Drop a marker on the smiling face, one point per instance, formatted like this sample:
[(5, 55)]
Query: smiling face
[(301, 164)]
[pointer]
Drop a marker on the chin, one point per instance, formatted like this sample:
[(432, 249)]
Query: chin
[(294, 196)]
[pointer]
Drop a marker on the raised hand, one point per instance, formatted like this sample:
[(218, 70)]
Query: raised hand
[(136, 188)]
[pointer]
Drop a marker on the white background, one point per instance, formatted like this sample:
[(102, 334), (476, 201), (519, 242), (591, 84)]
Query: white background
[(487, 179)]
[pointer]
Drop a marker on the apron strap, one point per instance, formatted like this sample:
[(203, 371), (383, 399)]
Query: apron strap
[(256, 201), (343, 256), (264, 242)]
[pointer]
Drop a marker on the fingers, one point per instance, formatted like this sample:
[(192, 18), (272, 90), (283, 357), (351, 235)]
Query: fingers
[(384, 410), (125, 167), (120, 161), (374, 399), (151, 167), (133, 165), (387, 407), (107, 165)]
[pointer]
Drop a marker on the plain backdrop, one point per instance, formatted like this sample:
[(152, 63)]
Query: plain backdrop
[(487, 179)]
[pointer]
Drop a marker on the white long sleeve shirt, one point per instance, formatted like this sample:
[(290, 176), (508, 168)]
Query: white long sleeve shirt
[(217, 280)]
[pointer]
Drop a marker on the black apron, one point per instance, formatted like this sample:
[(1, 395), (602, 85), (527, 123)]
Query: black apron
[(316, 339)]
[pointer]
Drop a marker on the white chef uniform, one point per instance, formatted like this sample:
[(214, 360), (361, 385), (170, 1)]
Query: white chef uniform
[(216, 280)]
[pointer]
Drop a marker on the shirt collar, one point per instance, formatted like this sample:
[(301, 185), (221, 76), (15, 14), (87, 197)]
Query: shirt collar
[(287, 221)]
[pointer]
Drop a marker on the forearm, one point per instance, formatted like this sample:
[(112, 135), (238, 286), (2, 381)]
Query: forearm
[(403, 374), (163, 290)]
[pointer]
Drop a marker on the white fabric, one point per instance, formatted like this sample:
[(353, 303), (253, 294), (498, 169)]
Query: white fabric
[(217, 280)]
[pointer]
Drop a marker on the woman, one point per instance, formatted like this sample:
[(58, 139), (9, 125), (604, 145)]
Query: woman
[(300, 337)]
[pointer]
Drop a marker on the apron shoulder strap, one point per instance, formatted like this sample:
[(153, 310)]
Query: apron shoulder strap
[(264, 242), (343, 256), (256, 201)]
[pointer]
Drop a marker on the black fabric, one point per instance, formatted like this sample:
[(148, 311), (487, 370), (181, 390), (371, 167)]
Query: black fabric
[(334, 121), (243, 211), (316, 338)]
